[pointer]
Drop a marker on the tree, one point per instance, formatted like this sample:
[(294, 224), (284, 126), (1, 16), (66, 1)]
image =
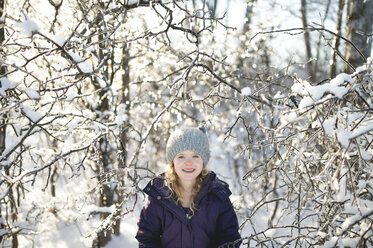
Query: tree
[(307, 38), (359, 28), (333, 67), (3, 116)]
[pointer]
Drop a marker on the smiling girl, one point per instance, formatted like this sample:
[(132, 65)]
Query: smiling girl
[(188, 206)]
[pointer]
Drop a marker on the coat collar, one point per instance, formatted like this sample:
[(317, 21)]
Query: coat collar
[(214, 185), (157, 189)]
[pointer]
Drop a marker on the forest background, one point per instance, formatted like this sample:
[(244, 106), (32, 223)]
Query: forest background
[(91, 89)]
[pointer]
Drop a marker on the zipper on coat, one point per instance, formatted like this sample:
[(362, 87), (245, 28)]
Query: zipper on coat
[(191, 234), (189, 216)]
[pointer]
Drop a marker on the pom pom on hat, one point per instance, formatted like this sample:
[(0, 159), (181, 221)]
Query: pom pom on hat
[(188, 139)]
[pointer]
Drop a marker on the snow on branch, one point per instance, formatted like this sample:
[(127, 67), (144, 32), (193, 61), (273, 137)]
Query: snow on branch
[(131, 4)]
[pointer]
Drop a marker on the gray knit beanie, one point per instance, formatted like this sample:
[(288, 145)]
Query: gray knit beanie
[(191, 139)]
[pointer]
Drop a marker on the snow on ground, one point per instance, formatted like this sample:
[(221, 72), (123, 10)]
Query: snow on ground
[(127, 237)]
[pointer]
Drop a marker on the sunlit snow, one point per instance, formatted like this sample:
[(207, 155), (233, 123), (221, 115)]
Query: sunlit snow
[(28, 27)]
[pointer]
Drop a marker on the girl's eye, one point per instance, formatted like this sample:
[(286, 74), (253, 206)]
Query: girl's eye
[(195, 156), (181, 157)]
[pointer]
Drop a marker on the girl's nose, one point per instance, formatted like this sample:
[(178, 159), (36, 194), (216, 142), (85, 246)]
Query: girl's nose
[(188, 161)]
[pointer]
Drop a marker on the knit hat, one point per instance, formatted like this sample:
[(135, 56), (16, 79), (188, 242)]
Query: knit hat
[(191, 139)]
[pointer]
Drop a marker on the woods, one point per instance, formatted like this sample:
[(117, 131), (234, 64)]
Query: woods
[(90, 90)]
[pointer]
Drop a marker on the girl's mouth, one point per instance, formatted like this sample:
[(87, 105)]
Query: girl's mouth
[(188, 170)]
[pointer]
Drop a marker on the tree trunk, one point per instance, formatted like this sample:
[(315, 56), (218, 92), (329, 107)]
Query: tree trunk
[(123, 135), (307, 38), (3, 125), (317, 57), (212, 6), (359, 27), (248, 15), (2, 72), (110, 195), (246, 29), (2, 116), (106, 192), (333, 66), (106, 196)]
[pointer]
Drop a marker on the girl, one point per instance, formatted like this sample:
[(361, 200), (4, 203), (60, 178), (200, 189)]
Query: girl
[(188, 206)]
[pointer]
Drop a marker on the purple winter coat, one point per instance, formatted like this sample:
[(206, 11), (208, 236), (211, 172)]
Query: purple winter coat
[(163, 224)]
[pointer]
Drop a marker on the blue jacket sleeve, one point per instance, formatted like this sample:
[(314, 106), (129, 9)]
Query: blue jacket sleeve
[(150, 228), (227, 227)]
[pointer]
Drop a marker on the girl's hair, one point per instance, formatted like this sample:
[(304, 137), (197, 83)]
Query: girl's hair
[(172, 182)]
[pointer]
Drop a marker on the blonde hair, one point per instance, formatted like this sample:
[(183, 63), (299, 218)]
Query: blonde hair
[(172, 182)]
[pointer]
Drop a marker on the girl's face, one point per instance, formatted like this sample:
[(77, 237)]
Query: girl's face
[(188, 165)]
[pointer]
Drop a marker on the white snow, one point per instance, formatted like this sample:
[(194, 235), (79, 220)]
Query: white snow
[(363, 213), (75, 57), (342, 194), (246, 91), (306, 102), (350, 242), (270, 233), (366, 155), (130, 2), (94, 208), (32, 115), (363, 128), (74, 123), (61, 66), (70, 96), (343, 137), (289, 117), (298, 89), (322, 234), (312, 94), (121, 115), (101, 82), (341, 79), (28, 27), (6, 85), (330, 243), (11, 143), (84, 66), (125, 239), (328, 125), (279, 95), (60, 40), (31, 93)]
